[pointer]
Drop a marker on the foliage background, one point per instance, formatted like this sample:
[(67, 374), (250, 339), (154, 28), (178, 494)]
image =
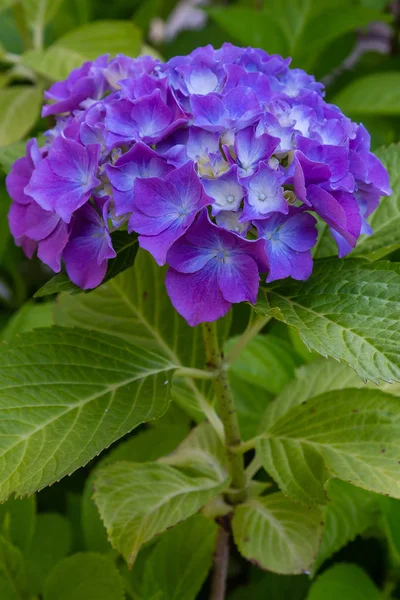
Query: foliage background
[(354, 47)]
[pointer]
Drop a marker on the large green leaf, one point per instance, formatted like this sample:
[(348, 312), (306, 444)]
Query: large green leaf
[(353, 434), (37, 14), (19, 109), (30, 316), (252, 27), (349, 310), (271, 586), (385, 221), (12, 572), (135, 306), (278, 534), (347, 582), (9, 154), (350, 512), (103, 37), (138, 501), (373, 94), (55, 63), (145, 446), (93, 389), (83, 576), (181, 560)]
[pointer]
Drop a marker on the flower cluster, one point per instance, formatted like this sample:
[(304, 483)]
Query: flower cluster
[(218, 160)]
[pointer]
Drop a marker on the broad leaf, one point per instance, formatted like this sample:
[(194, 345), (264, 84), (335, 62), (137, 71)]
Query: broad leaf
[(135, 306), (181, 560), (103, 37), (267, 362), (93, 390), (9, 154), (271, 586), (19, 109), (138, 501), (55, 63), (349, 310), (385, 221), (82, 576), (349, 513), (51, 542), (125, 246), (347, 582), (145, 446), (373, 94), (351, 434), (252, 27), (278, 534), (12, 572), (251, 402), (37, 14), (30, 316), (18, 521)]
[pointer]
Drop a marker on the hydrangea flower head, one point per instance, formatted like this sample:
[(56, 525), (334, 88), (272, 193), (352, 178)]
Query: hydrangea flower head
[(220, 162)]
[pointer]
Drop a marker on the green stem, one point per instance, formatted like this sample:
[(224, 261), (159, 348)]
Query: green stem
[(227, 412), (194, 373)]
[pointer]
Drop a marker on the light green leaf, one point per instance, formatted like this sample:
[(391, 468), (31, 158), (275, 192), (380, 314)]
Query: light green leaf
[(12, 572), (19, 109), (37, 14), (252, 27), (135, 306), (29, 316), (385, 220), (390, 523), (9, 154), (349, 513), (125, 246), (374, 94), (83, 576), (267, 362), (51, 542), (93, 389), (55, 63), (349, 310), (352, 434), (251, 402), (347, 582), (181, 560), (145, 446), (18, 520), (278, 534), (103, 37), (138, 501)]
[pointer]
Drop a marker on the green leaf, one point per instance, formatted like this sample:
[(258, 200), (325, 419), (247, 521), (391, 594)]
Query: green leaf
[(349, 513), (55, 63), (12, 572), (93, 389), (181, 560), (250, 401), (125, 246), (273, 587), (352, 434), (37, 14), (251, 27), (374, 94), (83, 576), (51, 542), (19, 108), (267, 362), (138, 501), (145, 446), (347, 309), (386, 218), (103, 37), (135, 306), (9, 154), (278, 534), (29, 316), (347, 582), (390, 523), (18, 520)]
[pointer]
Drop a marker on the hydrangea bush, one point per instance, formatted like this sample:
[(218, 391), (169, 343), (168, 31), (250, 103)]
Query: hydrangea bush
[(234, 177), (221, 161)]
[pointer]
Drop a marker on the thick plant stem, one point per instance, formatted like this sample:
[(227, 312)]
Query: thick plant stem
[(227, 412), (221, 562)]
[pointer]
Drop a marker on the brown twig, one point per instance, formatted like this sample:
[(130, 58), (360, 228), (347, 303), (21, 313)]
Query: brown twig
[(221, 562)]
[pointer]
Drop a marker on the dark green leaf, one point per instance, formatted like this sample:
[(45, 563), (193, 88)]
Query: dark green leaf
[(347, 582)]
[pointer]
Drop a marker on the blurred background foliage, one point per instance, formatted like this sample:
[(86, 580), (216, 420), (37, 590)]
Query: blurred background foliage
[(353, 46)]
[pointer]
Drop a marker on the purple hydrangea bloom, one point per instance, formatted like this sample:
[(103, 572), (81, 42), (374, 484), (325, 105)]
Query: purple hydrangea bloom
[(219, 161)]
